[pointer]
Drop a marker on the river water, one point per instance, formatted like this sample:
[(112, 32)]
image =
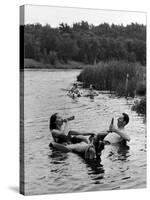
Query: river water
[(51, 171)]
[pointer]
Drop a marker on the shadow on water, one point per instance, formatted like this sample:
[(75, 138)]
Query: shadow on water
[(123, 152), (57, 157), (58, 165), (119, 152), (94, 167), (95, 170)]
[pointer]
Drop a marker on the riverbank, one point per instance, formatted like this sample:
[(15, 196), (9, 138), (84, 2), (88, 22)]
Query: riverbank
[(33, 64), (140, 106), (123, 78)]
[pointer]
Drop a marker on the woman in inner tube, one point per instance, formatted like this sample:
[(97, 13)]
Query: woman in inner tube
[(76, 142)]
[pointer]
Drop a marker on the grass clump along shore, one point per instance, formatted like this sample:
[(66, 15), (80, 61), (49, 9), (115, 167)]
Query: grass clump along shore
[(140, 106), (121, 77)]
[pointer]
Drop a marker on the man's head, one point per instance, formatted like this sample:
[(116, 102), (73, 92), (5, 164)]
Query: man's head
[(123, 120), (75, 85)]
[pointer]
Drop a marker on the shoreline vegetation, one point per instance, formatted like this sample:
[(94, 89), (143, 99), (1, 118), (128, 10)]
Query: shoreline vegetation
[(140, 106), (112, 57), (30, 63), (126, 79), (111, 76), (122, 78)]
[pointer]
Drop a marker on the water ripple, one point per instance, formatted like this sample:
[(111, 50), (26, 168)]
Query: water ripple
[(49, 171)]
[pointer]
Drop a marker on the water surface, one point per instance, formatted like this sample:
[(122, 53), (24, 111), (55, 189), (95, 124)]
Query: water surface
[(48, 171)]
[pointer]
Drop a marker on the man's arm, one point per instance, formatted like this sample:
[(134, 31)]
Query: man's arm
[(122, 134), (103, 134)]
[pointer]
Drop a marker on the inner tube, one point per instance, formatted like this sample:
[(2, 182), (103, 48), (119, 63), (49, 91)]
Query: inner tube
[(83, 153), (87, 151), (73, 95), (59, 147)]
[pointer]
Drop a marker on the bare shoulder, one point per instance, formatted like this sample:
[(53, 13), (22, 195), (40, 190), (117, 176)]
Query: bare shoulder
[(55, 132)]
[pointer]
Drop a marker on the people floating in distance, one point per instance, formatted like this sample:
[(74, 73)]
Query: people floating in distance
[(74, 91)]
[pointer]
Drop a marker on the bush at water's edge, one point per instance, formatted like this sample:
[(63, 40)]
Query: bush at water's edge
[(112, 76), (140, 106)]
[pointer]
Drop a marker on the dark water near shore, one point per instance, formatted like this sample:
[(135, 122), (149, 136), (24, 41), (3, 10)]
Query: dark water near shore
[(48, 171)]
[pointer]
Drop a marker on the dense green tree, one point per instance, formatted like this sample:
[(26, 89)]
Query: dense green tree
[(86, 43)]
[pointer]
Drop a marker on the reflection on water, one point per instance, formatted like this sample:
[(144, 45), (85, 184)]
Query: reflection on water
[(50, 171)]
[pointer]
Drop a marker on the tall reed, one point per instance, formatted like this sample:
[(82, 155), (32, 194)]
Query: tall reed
[(112, 76)]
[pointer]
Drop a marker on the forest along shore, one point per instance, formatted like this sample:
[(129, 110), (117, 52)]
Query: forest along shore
[(113, 57), (85, 43)]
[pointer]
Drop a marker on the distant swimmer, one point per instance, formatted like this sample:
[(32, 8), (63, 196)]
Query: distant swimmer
[(91, 87), (74, 91), (91, 92)]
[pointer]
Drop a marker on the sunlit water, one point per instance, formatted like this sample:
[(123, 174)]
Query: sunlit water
[(50, 171)]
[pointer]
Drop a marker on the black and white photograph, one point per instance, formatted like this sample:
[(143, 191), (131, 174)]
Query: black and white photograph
[(82, 100)]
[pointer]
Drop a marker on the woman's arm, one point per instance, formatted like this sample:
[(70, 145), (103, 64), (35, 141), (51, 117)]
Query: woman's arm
[(66, 124), (65, 130)]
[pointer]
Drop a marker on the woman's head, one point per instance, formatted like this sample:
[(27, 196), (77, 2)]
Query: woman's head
[(55, 121)]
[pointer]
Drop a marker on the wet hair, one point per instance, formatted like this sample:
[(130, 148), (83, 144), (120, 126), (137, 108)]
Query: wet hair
[(126, 118), (52, 124)]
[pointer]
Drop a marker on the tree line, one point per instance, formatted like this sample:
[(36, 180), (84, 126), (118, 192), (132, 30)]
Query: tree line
[(85, 43)]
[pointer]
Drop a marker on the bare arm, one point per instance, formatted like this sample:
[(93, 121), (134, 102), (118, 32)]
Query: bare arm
[(101, 135), (65, 130), (122, 134)]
